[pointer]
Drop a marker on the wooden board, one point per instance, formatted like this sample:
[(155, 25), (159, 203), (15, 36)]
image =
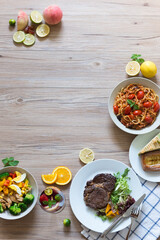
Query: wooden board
[(54, 95)]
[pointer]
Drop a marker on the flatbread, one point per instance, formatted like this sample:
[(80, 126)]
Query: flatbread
[(154, 144)]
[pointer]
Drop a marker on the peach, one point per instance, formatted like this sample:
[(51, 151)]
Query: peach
[(22, 20), (52, 14)]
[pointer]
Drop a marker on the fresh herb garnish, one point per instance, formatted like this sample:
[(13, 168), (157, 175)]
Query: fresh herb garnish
[(10, 162), (49, 203), (136, 57), (132, 104), (125, 172)]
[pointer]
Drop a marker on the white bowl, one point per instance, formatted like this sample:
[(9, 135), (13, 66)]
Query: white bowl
[(6, 214), (138, 80)]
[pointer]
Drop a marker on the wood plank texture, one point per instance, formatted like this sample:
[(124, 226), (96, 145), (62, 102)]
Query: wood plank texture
[(54, 95)]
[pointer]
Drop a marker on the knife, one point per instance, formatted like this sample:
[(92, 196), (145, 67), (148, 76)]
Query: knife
[(125, 215)]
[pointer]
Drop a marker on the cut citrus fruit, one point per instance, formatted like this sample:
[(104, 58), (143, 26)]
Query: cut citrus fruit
[(18, 37), (29, 39), (64, 175), (86, 155), (36, 17), (49, 178), (148, 69), (133, 68), (42, 30)]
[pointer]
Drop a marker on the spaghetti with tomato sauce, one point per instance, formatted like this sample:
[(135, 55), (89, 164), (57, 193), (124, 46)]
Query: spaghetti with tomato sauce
[(136, 106)]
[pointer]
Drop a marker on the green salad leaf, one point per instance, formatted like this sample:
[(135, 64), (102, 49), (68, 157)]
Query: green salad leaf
[(121, 191)]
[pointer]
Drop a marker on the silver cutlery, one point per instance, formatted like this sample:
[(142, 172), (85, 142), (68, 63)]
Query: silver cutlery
[(125, 215), (134, 215)]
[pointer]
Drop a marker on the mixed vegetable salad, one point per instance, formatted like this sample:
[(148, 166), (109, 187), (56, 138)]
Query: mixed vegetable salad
[(15, 192), (120, 199)]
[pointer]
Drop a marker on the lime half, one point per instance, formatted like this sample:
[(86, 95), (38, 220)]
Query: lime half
[(43, 30), (18, 36), (36, 17), (29, 39)]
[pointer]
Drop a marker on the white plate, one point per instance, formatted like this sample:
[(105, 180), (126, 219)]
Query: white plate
[(138, 143), (138, 80), (85, 214)]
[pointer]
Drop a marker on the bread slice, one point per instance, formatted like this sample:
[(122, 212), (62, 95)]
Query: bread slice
[(154, 144), (151, 161)]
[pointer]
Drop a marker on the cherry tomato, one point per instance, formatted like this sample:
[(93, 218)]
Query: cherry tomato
[(127, 110), (13, 175), (137, 112), (148, 119), (131, 116), (147, 104), (140, 95), (131, 96), (115, 108), (156, 107)]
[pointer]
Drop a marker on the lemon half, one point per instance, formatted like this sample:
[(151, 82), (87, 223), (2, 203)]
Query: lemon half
[(86, 155), (133, 68), (42, 30)]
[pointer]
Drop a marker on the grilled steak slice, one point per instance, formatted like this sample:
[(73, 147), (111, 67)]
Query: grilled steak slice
[(97, 191)]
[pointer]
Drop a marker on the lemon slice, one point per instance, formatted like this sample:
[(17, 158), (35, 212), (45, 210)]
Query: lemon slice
[(36, 17), (133, 68), (43, 30), (86, 155), (18, 37), (29, 39)]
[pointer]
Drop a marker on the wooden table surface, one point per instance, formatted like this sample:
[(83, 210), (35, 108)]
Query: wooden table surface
[(53, 95)]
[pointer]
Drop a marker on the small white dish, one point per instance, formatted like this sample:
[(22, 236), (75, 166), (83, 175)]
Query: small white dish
[(86, 215), (6, 214), (138, 143), (137, 80)]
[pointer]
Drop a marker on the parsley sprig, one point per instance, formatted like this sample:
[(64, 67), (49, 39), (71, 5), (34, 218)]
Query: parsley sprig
[(136, 57), (132, 104), (10, 162)]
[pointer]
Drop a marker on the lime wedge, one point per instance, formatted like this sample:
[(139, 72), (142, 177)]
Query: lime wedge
[(29, 39), (43, 30), (36, 17), (18, 36)]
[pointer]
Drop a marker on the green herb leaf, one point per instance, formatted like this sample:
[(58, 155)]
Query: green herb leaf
[(125, 172), (13, 163), (5, 162), (51, 203), (45, 203), (132, 104), (10, 162), (136, 57)]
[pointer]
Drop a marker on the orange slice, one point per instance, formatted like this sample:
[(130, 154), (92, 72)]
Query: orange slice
[(64, 175), (49, 178)]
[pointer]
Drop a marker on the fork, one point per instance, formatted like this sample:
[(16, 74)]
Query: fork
[(134, 216)]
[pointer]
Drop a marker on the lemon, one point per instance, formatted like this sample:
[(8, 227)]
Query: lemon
[(42, 30), (132, 68), (86, 155), (36, 17), (18, 36), (29, 39), (148, 69)]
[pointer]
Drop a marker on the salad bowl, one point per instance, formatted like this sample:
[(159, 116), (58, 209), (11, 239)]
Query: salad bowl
[(34, 190)]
